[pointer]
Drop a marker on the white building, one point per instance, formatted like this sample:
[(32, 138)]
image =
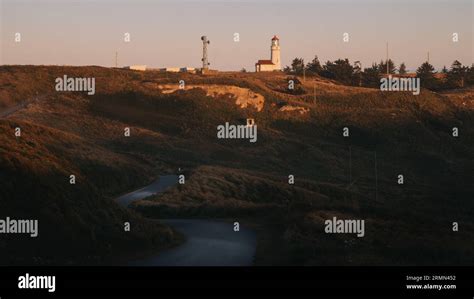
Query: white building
[(188, 70), (136, 67), (177, 69), (274, 64), (170, 69)]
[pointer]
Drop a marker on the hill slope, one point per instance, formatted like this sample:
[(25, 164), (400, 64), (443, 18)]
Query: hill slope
[(237, 180)]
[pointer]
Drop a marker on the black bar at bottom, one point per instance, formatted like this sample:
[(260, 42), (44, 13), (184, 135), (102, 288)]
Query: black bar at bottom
[(270, 282)]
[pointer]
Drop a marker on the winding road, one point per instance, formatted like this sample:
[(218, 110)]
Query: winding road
[(208, 242)]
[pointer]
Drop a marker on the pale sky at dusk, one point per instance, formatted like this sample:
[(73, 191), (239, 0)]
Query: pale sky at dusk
[(167, 33)]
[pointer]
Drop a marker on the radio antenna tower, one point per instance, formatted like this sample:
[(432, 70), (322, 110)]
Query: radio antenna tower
[(205, 62)]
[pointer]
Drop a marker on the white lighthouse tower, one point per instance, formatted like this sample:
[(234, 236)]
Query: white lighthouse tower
[(275, 54), (274, 64)]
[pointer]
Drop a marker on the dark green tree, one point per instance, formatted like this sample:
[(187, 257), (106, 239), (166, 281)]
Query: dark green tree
[(470, 75), (426, 74), (383, 67), (297, 66), (402, 70), (371, 76), (457, 75), (314, 66), (357, 77), (340, 70)]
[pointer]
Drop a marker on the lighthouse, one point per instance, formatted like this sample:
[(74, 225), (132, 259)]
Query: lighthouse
[(275, 54), (274, 64)]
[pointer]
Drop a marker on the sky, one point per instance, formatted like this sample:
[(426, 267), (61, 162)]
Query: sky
[(168, 33)]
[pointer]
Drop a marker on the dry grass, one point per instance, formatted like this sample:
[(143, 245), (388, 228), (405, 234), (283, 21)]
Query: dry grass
[(227, 179)]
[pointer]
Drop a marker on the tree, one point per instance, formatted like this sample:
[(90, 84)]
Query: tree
[(426, 74), (297, 66), (470, 75), (339, 70), (383, 67), (402, 70), (444, 70), (314, 66), (357, 80), (371, 76), (457, 75)]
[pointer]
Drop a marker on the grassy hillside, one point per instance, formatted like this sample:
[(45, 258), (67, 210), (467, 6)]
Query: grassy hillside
[(238, 180)]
